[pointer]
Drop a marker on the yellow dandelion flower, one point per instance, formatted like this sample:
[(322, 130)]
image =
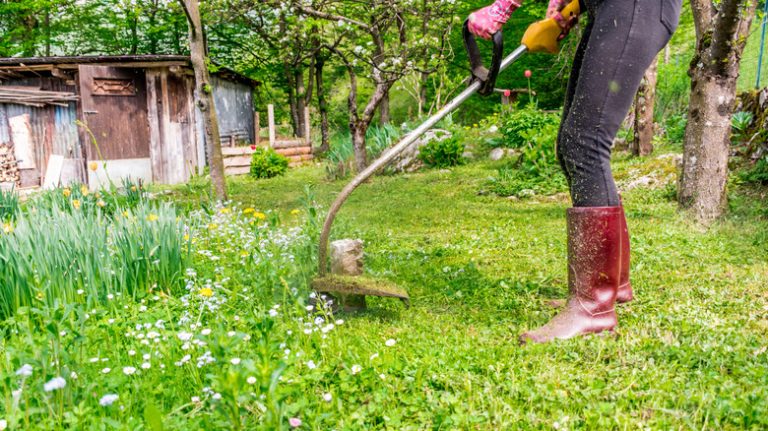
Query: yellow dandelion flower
[(76, 204), (66, 192), (206, 292), (212, 226), (260, 215), (225, 210), (39, 295), (84, 190), (93, 166), (101, 203), (133, 188), (7, 227), (152, 217), (249, 211), (186, 237), (295, 212), (244, 253), (126, 213)]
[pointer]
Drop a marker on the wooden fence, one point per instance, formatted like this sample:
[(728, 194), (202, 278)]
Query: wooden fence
[(237, 160)]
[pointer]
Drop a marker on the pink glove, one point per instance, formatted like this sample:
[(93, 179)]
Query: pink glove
[(553, 11), (488, 20)]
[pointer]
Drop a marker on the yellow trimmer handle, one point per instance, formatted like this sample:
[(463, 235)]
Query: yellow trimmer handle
[(541, 36)]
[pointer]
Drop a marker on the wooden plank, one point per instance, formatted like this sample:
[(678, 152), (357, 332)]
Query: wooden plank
[(237, 161), (289, 143), (53, 171), (294, 151), (307, 127), (256, 127), (271, 123), (237, 170), (236, 151)]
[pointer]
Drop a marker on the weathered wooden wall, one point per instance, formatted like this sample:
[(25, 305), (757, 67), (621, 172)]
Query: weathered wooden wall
[(53, 131), (234, 106)]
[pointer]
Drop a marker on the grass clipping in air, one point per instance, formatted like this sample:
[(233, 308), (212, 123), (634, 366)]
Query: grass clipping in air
[(359, 285)]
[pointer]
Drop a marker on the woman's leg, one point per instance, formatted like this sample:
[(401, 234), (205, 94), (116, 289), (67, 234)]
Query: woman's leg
[(625, 37)]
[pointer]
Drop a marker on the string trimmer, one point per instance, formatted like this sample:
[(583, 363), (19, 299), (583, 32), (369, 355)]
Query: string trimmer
[(541, 36)]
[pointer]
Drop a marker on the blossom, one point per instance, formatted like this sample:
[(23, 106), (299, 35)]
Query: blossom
[(235, 361), (327, 397), (206, 292), (106, 370), (527, 74), (3, 424), (76, 203), (129, 370), (108, 399), (84, 190), (7, 227), (146, 365), (391, 342), (152, 217), (24, 371), (93, 166), (311, 365), (356, 369), (55, 383), (295, 212), (295, 422), (66, 192), (185, 336), (205, 331), (251, 380)]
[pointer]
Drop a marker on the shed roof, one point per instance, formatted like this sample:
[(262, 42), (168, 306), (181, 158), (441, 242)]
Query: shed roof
[(9, 65)]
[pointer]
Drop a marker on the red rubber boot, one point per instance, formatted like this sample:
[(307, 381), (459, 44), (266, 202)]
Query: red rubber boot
[(624, 293), (594, 267)]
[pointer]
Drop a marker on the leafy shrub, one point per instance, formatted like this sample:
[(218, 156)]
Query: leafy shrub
[(536, 171), (518, 122), (740, 122), (267, 163), (443, 153)]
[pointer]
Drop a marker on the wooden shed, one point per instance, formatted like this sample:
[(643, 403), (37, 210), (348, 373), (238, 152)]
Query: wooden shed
[(133, 114)]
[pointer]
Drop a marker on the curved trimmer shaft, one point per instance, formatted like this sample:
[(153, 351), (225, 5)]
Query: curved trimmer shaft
[(393, 151)]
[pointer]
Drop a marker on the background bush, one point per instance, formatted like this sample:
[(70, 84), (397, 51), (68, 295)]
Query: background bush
[(267, 163), (443, 153), (516, 124)]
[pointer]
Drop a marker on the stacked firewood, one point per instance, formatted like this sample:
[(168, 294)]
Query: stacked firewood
[(33, 96), (9, 169)]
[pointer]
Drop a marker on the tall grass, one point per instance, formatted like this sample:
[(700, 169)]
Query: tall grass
[(9, 205), (341, 155), (56, 255)]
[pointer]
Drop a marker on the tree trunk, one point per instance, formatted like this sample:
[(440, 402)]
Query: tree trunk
[(322, 106), (384, 117), (642, 144), (300, 103), (706, 146), (358, 132), (423, 83), (721, 37), (204, 99)]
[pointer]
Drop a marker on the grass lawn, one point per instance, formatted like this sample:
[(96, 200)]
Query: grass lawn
[(691, 350)]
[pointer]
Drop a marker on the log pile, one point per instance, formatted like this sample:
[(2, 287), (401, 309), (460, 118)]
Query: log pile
[(237, 160), (32, 96), (9, 169)]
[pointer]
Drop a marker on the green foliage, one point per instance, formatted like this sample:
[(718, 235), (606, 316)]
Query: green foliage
[(9, 205), (267, 163), (518, 124), (674, 127), (443, 153), (740, 122), (758, 174), (536, 171), (672, 88)]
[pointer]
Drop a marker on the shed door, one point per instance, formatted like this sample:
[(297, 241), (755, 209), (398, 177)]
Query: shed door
[(114, 104)]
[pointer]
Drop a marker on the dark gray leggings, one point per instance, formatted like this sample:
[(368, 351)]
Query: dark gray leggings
[(620, 41)]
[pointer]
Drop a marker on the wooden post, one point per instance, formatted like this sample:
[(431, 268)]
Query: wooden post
[(271, 123), (307, 127), (256, 127)]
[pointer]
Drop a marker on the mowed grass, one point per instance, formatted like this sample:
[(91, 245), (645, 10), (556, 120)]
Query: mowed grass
[(690, 351)]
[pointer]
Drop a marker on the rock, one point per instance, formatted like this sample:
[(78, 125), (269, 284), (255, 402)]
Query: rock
[(444, 171), (347, 257), (468, 155), (497, 154), (408, 160)]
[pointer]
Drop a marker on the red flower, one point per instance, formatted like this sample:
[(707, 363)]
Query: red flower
[(253, 147), (507, 93), (528, 74)]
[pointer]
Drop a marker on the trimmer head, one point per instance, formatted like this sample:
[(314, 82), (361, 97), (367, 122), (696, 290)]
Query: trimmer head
[(345, 287)]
